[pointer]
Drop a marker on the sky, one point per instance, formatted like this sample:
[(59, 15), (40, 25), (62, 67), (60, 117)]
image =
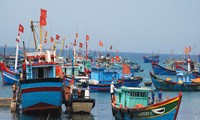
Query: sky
[(141, 26)]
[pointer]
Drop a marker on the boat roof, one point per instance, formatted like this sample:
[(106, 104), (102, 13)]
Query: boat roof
[(136, 89)]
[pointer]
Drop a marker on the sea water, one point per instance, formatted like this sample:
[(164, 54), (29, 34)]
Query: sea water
[(189, 109)]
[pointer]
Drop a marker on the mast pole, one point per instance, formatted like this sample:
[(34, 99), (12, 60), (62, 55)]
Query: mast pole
[(40, 39), (33, 30), (16, 58)]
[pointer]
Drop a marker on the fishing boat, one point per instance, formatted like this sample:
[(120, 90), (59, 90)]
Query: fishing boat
[(181, 83), (41, 89), (151, 59), (135, 68), (147, 83), (128, 79), (77, 99), (159, 70), (102, 87), (101, 79), (132, 103), (9, 76)]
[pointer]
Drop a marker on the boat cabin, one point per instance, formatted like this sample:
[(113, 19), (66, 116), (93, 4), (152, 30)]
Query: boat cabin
[(40, 66), (67, 69), (81, 93), (39, 70), (131, 96), (103, 75), (184, 77)]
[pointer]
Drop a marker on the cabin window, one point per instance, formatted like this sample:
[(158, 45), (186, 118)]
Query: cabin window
[(65, 70), (142, 94), (40, 72), (120, 96), (35, 73), (46, 72)]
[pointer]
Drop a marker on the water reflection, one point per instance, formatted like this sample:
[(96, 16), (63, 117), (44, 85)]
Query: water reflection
[(63, 116)]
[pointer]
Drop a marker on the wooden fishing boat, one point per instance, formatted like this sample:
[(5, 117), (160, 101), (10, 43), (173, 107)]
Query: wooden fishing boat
[(41, 89), (147, 83), (77, 99), (102, 87), (128, 79), (135, 68), (101, 79), (131, 81), (159, 70), (141, 70), (150, 59), (174, 85), (9, 76), (132, 103)]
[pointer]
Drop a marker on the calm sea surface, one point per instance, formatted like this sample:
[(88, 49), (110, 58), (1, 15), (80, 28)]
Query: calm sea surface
[(189, 109)]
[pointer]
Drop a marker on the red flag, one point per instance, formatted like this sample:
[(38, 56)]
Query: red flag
[(186, 50), (66, 46), (101, 43), (117, 58), (125, 69), (43, 21), (76, 35), (43, 13), (52, 40), (21, 28), (75, 42), (111, 47), (57, 37), (87, 37), (81, 45)]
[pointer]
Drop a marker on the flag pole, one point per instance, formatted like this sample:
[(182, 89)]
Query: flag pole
[(16, 56)]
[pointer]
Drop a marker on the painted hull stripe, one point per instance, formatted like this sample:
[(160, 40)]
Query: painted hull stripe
[(41, 89)]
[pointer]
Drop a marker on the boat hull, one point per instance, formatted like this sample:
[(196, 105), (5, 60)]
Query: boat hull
[(82, 105), (103, 87), (166, 110), (150, 60), (172, 86), (131, 82), (159, 70), (41, 94)]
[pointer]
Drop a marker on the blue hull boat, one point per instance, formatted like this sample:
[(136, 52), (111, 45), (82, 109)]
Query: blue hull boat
[(172, 85), (102, 87), (150, 59), (9, 76), (159, 70), (41, 94), (134, 82)]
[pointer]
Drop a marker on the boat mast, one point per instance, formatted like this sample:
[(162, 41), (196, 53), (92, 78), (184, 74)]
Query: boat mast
[(40, 45), (16, 56), (63, 42), (4, 52), (33, 30), (86, 49), (24, 51)]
